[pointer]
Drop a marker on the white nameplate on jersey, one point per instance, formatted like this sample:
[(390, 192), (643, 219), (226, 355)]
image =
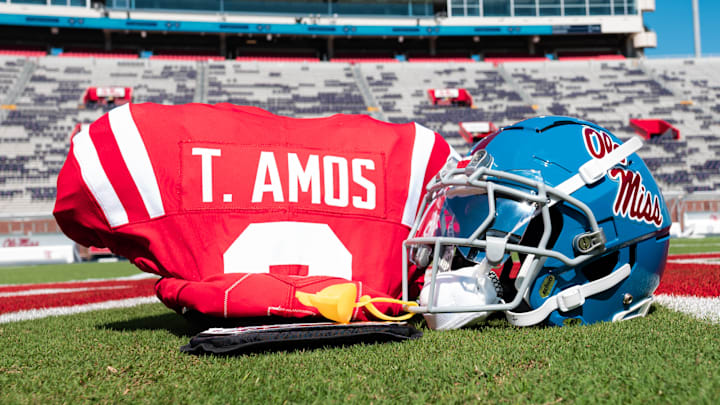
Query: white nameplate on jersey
[(241, 177)]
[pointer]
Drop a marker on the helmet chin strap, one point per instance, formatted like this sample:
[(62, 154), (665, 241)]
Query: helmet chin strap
[(568, 299)]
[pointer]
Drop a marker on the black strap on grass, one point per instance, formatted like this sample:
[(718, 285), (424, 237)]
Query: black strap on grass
[(286, 337)]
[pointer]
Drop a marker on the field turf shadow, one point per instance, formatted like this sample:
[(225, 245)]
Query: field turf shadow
[(171, 322), (192, 323)]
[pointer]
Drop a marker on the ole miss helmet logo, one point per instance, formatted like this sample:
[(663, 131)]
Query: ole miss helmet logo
[(599, 144), (633, 200)]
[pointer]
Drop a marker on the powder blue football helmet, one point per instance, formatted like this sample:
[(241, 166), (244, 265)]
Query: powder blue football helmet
[(576, 206)]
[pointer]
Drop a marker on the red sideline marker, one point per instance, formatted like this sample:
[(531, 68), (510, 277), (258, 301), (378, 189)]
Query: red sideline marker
[(691, 284), (31, 301), (692, 275)]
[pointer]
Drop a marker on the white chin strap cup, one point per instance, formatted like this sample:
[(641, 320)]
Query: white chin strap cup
[(469, 286)]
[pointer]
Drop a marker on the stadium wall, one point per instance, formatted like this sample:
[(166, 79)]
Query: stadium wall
[(279, 22), (25, 241), (12, 227), (343, 27), (281, 28), (695, 214)]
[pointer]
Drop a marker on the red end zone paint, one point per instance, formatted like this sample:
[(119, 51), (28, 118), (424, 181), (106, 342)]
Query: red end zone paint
[(689, 275), (694, 275), (90, 284), (49, 295), (714, 255)]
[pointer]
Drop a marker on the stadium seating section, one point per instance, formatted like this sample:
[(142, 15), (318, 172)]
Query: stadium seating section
[(41, 99)]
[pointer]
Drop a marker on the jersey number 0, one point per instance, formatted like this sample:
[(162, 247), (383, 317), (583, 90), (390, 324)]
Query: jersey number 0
[(263, 245)]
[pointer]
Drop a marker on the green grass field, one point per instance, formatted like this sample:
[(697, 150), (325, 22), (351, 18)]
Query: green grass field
[(53, 273), (132, 356), (684, 246)]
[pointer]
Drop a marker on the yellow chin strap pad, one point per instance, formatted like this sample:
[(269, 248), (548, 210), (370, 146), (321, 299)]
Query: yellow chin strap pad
[(337, 303)]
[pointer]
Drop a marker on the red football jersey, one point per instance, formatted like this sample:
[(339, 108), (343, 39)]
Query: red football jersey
[(237, 208)]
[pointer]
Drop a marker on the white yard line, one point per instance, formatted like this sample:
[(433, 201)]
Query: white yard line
[(140, 276), (695, 261), (48, 291), (684, 244), (74, 309), (707, 308)]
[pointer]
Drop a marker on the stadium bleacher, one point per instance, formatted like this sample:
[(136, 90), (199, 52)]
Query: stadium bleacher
[(42, 101), (401, 93), (293, 89)]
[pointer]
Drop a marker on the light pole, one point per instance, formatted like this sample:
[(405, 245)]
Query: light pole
[(696, 26)]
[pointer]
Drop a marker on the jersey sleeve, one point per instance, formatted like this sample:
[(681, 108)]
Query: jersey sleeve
[(430, 153), (76, 211), (107, 183)]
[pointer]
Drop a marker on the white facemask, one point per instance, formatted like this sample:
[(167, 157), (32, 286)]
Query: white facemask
[(468, 286)]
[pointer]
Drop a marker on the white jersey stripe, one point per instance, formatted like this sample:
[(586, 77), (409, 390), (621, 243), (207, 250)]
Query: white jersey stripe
[(422, 149), (96, 179), (136, 159)]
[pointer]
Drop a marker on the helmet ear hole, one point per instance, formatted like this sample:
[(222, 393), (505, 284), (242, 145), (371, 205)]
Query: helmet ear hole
[(535, 230), (601, 267)]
